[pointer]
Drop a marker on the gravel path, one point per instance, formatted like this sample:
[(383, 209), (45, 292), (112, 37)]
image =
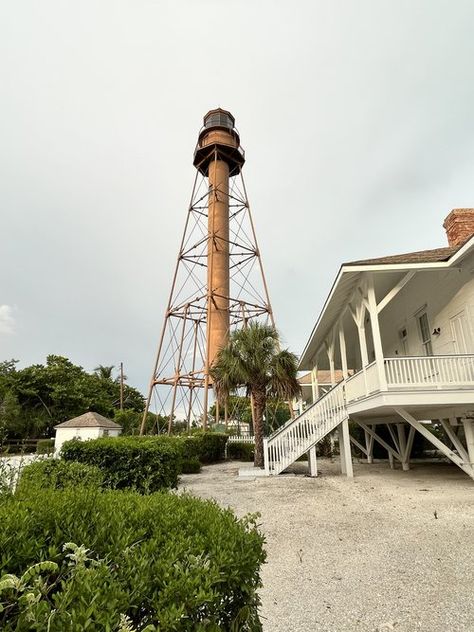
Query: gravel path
[(361, 555)]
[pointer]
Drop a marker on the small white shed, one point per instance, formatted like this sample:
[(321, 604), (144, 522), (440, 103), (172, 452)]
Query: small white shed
[(87, 426)]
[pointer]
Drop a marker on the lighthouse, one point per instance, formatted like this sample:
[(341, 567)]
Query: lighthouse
[(218, 282)]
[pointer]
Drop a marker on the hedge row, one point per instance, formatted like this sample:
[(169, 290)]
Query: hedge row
[(140, 463), (241, 451), (208, 447), (57, 474), (45, 446), (109, 559), (146, 464)]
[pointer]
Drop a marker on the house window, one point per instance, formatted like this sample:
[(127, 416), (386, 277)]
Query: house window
[(106, 432), (403, 336), (425, 334)]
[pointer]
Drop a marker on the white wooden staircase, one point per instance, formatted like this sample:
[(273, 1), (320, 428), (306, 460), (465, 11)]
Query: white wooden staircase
[(297, 436)]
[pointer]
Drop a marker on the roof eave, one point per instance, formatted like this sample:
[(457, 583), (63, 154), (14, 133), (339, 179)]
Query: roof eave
[(303, 364)]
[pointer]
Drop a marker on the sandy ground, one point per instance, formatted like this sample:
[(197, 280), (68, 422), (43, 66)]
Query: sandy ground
[(368, 554)]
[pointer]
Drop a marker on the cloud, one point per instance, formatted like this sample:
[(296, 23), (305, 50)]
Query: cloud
[(7, 322), (356, 118)]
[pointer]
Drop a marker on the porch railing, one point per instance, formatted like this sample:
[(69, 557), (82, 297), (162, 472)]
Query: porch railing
[(297, 436), (363, 383), (416, 372), (439, 372), (289, 442)]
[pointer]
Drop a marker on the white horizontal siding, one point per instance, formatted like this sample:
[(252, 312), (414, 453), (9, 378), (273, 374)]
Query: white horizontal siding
[(445, 293)]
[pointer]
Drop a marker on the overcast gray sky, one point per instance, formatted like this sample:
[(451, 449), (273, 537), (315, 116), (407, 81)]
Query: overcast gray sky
[(356, 117)]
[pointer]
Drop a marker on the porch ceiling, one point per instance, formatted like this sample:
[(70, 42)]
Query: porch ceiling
[(336, 303), (341, 294), (387, 271)]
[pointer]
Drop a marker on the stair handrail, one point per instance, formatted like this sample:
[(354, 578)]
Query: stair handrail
[(288, 423)]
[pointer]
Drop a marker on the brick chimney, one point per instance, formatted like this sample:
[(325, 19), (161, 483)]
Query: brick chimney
[(459, 226)]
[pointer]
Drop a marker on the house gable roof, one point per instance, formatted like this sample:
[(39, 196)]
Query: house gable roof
[(347, 277), (422, 256), (89, 420)]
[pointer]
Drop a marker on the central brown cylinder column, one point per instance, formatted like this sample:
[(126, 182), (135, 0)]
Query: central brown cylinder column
[(218, 257)]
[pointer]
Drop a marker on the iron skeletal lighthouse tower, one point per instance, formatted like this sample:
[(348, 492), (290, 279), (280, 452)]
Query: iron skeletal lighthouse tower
[(218, 283)]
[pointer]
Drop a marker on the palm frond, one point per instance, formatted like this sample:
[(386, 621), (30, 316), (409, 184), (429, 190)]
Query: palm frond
[(284, 371)]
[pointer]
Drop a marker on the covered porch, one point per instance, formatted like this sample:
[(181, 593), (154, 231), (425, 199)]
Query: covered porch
[(385, 331)]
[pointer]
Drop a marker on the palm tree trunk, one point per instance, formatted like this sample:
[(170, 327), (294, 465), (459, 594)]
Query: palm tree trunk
[(259, 400)]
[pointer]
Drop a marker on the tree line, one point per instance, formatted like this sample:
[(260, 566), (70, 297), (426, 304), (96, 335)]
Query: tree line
[(36, 398)]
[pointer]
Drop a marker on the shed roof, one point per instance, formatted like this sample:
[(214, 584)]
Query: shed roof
[(89, 420), (324, 377)]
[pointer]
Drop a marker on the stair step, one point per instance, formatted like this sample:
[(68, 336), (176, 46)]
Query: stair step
[(251, 473)]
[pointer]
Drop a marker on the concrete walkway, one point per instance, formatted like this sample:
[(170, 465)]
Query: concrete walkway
[(390, 550)]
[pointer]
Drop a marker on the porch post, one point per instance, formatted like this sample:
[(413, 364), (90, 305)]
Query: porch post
[(363, 342), (342, 456), (402, 444), (358, 316), (342, 347), (369, 446), (345, 449), (390, 461), (374, 321), (266, 463), (300, 406), (330, 351), (314, 383), (312, 462), (469, 434)]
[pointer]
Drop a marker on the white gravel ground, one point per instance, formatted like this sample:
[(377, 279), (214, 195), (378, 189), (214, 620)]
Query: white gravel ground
[(367, 554)]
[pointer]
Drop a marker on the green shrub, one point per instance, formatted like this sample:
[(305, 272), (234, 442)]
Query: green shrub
[(191, 446), (190, 466), (324, 447), (45, 446), (208, 447), (241, 451), (58, 475), (212, 447), (146, 464), (175, 563)]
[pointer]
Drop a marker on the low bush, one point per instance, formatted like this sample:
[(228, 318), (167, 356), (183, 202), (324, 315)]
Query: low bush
[(145, 464), (208, 447), (240, 451), (81, 559), (45, 446), (58, 474), (212, 448), (190, 466), (190, 446), (325, 447)]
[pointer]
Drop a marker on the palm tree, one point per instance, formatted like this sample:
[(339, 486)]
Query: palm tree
[(104, 372), (252, 358)]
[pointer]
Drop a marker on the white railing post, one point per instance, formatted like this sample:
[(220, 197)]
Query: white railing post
[(265, 456)]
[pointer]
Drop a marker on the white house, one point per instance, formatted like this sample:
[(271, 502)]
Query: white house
[(87, 426), (404, 326)]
